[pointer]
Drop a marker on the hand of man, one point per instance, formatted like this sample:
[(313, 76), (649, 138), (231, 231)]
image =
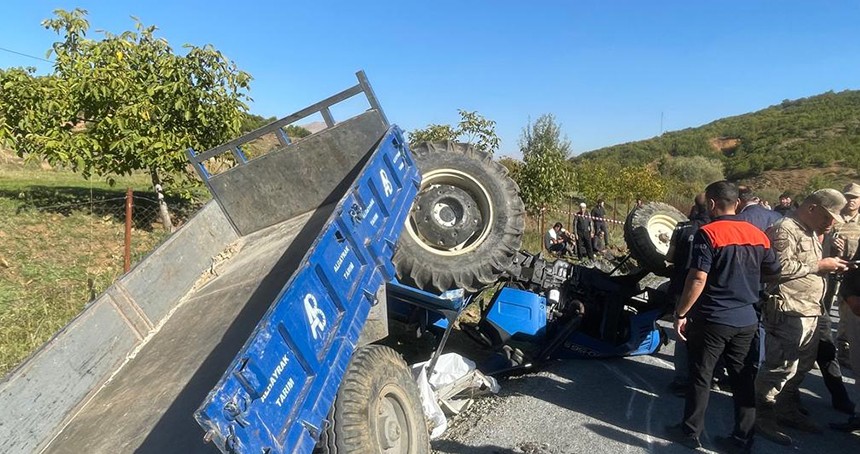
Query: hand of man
[(681, 328), (832, 264), (839, 245)]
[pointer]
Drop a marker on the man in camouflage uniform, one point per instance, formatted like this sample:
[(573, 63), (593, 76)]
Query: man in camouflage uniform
[(843, 241), (790, 316)]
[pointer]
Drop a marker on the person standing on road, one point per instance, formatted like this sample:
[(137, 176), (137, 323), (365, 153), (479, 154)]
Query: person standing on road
[(598, 215), (682, 250), (759, 216), (715, 314), (843, 241), (850, 294), (584, 232), (790, 315)]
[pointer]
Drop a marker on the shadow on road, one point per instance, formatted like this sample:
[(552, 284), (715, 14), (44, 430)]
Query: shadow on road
[(605, 404)]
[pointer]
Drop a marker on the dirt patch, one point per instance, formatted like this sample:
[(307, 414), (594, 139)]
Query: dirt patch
[(725, 145), (771, 183)]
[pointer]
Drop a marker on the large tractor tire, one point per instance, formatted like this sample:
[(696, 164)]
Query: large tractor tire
[(466, 223), (377, 409), (647, 232)]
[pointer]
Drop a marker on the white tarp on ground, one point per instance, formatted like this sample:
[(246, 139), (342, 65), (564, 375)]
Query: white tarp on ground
[(455, 380)]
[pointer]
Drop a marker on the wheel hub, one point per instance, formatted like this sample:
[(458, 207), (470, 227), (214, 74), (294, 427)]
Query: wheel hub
[(660, 228), (446, 216), (390, 426), (392, 433)]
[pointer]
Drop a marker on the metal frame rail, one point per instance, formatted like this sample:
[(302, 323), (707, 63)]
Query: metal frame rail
[(277, 127)]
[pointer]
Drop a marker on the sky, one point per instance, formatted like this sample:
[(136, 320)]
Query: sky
[(609, 71)]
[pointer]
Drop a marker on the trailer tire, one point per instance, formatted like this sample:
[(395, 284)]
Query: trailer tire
[(466, 223), (647, 232), (377, 409)]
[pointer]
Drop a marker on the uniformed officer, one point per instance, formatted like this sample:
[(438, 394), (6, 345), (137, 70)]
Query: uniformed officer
[(843, 241), (790, 316)]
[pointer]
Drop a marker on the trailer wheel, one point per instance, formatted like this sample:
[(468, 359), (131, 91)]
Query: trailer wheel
[(466, 223), (647, 232), (377, 409)]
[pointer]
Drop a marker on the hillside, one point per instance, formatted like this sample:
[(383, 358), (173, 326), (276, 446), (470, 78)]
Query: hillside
[(818, 132)]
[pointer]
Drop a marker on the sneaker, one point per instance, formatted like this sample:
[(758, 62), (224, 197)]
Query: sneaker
[(853, 424), (732, 445), (799, 421), (769, 429), (677, 434)]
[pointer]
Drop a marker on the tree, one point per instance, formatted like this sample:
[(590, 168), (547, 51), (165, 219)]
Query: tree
[(473, 129), (513, 166), (546, 175), (640, 182), (689, 176), (251, 122), (432, 133), (595, 180), (125, 103)]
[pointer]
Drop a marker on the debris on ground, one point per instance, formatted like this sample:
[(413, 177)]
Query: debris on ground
[(451, 388)]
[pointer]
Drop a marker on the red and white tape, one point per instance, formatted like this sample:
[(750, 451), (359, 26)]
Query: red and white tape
[(594, 218)]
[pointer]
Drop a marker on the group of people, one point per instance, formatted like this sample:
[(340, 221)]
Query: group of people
[(754, 289), (786, 204), (590, 233)]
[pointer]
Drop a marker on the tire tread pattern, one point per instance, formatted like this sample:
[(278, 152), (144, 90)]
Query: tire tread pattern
[(483, 266), (350, 428)]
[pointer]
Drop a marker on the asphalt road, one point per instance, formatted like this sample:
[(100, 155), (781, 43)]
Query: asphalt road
[(613, 406)]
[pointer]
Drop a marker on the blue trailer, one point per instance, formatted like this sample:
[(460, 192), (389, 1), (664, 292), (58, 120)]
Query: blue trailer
[(277, 281), (260, 319)]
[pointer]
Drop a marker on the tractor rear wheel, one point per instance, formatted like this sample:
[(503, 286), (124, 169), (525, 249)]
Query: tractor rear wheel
[(466, 223)]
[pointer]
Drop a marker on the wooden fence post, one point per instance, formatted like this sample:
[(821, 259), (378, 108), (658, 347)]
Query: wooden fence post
[(129, 195), (541, 232)]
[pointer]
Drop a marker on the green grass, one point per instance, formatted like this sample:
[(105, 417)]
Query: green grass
[(61, 243)]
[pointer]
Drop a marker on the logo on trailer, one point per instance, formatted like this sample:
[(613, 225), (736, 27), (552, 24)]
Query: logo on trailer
[(316, 317), (386, 183)]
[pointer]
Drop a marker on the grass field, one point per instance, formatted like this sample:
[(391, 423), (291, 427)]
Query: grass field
[(61, 243)]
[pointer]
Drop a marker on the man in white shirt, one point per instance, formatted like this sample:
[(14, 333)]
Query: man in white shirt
[(555, 239)]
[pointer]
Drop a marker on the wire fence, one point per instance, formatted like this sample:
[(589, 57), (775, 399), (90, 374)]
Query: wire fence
[(85, 235), (537, 224), (60, 248)]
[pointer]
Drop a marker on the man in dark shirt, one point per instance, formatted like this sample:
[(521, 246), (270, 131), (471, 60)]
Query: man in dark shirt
[(850, 292), (784, 206), (682, 249), (584, 232), (750, 210), (716, 317), (598, 214)]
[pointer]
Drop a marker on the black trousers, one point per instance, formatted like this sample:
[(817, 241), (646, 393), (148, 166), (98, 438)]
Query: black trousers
[(829, 366), (706, 342), (584, 241)]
